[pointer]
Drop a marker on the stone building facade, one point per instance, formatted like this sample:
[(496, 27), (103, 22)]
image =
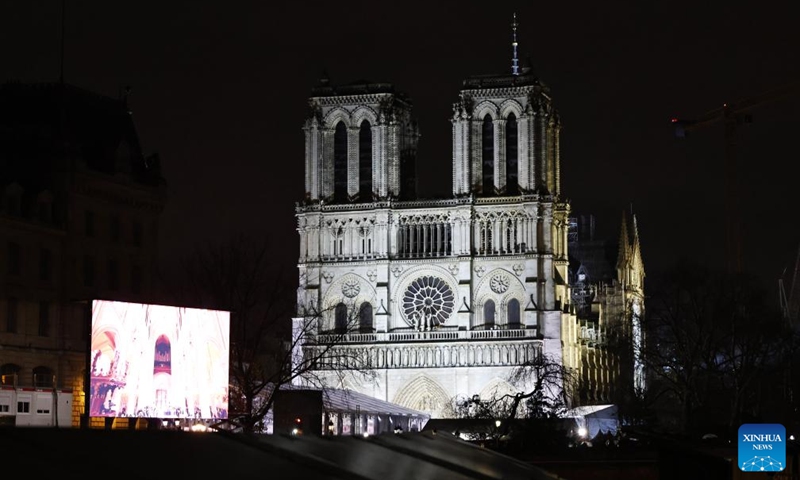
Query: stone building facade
[(79, 210), (607, 288), (448, 296)]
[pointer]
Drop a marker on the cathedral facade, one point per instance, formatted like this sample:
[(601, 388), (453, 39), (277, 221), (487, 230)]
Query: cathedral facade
[(441, 299)]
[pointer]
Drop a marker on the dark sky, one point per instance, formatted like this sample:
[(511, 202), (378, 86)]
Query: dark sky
[(219, 90)]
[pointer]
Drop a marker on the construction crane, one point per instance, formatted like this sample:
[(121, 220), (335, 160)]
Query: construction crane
[(732, 115), (790, 303)]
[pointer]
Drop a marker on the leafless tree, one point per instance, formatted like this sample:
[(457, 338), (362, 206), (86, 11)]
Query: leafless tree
[(239, 276), (548, 393), (712, 341)]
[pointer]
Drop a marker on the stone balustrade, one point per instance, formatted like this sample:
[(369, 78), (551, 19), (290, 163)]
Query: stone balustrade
[(430, 355)]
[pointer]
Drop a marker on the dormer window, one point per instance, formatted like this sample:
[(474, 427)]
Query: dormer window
[(123, 158), (13, 199), (45, 207)]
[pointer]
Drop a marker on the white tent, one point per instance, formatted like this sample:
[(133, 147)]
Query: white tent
[(595, 419)]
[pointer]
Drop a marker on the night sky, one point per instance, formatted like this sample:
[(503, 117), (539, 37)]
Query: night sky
[(219, 90)]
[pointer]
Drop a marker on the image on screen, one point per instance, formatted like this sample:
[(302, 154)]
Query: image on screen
[(156, 361)]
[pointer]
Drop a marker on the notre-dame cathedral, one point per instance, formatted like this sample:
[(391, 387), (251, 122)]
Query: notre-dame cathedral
[(450, 296)]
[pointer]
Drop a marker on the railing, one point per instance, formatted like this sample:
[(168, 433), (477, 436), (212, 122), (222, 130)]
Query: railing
[(435, 335)]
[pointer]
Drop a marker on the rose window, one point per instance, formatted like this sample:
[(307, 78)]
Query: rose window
[(350, 288), (428, 302), (499, 283)]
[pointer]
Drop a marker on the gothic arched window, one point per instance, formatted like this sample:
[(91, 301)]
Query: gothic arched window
[(487, 139), (365, 318), (488, 314), (365, 162), (340, 163), (513, 313), (341, 318), (512, 185)]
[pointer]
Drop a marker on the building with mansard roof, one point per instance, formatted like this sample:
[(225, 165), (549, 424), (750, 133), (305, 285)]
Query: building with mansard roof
[(441, 299), (79, 210)]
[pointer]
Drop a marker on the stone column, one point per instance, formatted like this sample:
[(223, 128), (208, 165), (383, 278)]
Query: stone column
[(499, 126), (382, 184), (352, 161), (525, 152), (476, 159), (326, 187)]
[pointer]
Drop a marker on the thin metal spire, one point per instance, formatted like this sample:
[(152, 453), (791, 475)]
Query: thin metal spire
[(514, 59), (63, 23)]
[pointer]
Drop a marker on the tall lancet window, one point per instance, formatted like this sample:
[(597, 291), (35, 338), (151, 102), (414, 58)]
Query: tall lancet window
[(340, 163), (512, 185), (488, 314), (340, 319), (365, 162), (487, 140), (513, 314)]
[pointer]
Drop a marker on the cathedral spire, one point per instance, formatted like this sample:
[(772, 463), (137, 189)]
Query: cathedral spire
[(514, 59)]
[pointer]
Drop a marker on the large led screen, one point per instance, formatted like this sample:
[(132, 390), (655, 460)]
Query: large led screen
[(158, 361)]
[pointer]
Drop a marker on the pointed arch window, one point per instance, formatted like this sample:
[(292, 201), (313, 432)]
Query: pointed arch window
[(340, 163), (365, 162), (487, 142), (341, 318), (488, 314), (512, 183), (513, 314), (365, 318)]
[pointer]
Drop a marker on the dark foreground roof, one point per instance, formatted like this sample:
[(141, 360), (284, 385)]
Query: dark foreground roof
[(74, 453)]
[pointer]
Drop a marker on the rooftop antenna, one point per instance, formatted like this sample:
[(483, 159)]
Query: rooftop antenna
[(63, 15), (514, 59)]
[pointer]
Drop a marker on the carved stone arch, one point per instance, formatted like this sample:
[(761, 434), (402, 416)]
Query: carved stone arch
[(406, 278), (489, 288), (105, 343), (504, 306), (424, 394), (483, 108), (335, 116), (362, 113), (510, 106), (352, 290), (483, 289), (497, 389)]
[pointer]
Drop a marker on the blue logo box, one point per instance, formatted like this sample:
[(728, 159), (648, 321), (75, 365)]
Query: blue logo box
[(762, 447)]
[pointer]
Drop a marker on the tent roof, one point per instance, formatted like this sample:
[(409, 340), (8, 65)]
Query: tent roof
[(593, 410), (341, 400)]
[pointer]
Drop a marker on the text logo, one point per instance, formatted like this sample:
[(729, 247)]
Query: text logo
[(762, 447)]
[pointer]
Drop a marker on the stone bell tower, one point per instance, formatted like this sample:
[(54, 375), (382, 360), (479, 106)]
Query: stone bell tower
[(361, 144)]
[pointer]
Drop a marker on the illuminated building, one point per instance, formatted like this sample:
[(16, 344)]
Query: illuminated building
[(451, 295)]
